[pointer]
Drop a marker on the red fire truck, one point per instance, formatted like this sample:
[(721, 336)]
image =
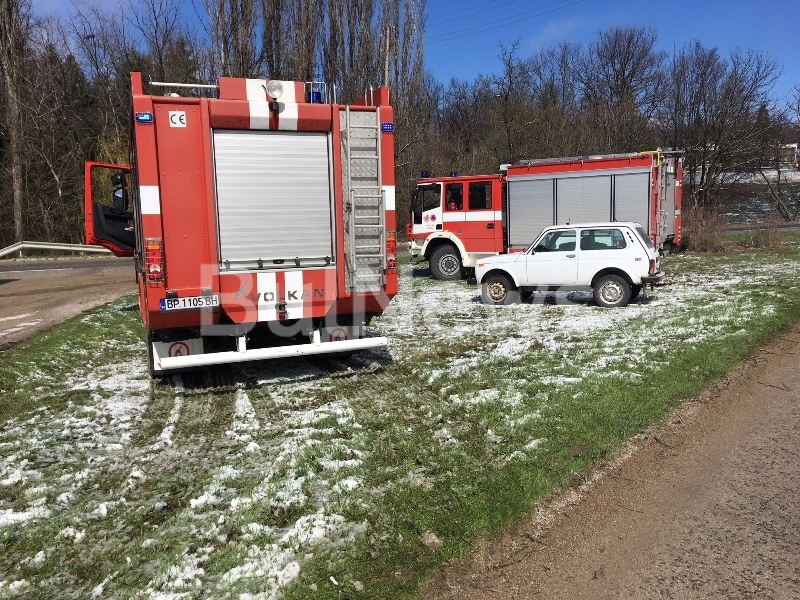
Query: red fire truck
[(258, 218), (455, 221)]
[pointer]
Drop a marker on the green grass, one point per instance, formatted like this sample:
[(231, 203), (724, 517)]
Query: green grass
[(480, 412)]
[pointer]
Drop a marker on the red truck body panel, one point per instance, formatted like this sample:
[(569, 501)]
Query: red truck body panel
[(251, 209)]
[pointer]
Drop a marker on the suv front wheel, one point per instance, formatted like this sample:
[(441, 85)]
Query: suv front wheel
[(612, 291), (499, 289)]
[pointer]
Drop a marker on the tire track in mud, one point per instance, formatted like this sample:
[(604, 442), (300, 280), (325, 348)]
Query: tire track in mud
[(276, 426)]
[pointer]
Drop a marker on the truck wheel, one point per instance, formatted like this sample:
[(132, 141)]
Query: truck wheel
[(446, 264), (612, 291), (499, 289)]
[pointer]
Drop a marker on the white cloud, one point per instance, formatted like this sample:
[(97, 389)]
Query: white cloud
[(572, 29)]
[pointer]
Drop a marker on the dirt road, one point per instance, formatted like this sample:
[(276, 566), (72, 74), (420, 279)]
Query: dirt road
[(704, 506), (37, 294)]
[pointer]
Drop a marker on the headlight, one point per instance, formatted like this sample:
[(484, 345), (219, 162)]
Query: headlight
[(274, 89)]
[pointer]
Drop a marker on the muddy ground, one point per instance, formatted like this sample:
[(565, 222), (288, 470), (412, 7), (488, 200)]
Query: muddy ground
[(37, 294), (706, 505)]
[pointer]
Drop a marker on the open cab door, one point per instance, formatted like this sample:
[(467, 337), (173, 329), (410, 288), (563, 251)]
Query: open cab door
[(109, 214)]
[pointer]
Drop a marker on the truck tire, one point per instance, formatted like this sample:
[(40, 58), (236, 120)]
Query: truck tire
[(612, 291), (499, 289), (446, 263)]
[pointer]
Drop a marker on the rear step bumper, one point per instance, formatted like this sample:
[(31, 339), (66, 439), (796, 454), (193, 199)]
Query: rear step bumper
[(169, 363)]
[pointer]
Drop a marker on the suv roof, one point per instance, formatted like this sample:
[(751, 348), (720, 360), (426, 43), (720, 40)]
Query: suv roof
[(594, 224)]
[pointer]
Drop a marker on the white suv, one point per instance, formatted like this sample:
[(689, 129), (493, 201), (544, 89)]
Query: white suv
[(614, 260)]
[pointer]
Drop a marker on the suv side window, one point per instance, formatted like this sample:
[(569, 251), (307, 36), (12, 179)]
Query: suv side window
[(602, 239), (557, 241)]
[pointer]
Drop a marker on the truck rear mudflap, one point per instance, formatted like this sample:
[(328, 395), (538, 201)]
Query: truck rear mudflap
[(190, 354)]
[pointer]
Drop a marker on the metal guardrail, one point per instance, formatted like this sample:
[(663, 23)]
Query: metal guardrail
[(19, 246)]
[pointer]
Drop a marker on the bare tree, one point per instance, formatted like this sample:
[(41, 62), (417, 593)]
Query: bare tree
[(56, 138), (562, 127), (711, 113), (414, 94), (512, 96), (107, 51), (620, 78), (157, 22), (14, 28), (773, 157), (234, 33)]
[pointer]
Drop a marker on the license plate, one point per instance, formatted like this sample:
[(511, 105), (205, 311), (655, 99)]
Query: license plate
[(190, 302)]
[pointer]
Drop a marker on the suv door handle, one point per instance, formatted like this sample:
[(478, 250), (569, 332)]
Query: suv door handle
[(490, 226), (570, 256)]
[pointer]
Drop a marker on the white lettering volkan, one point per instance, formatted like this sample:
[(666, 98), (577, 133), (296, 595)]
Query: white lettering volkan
[(262, 297)]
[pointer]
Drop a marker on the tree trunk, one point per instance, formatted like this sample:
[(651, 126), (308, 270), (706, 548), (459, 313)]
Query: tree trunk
[(10, 60)]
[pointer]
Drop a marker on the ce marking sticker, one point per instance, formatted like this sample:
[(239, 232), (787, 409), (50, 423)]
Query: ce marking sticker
[(177, 118)]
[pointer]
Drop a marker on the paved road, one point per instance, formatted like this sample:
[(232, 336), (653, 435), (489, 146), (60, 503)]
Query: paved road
[(37, 294), (705, 506)]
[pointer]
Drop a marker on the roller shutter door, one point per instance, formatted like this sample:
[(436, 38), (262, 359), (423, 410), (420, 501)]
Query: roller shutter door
[(530, 209), (632, 198), (273, 198), (583, 199)]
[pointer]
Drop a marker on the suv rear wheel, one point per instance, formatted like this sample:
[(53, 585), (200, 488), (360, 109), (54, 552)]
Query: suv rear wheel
[(499, 289), (612, 291)]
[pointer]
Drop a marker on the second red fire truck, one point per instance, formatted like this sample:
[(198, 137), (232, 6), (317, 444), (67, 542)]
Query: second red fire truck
[(259, 218), (455, 221)]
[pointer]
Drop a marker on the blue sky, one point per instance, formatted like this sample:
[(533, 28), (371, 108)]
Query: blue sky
[(463, 37)]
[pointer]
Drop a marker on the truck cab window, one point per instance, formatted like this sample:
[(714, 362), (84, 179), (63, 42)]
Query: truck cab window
[(480, 195), (455, 196)]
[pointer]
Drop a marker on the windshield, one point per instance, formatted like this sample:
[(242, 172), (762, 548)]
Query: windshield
[(645, 238)]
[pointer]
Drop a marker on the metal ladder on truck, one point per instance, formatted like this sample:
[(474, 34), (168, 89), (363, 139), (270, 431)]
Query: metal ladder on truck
[(365, 227), (661, 225)]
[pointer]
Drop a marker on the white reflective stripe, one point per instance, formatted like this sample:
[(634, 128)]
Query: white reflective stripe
[(471, 215), (256, 89), (453, 217), (259, 115), (267, 289), (288, 94), (293, 290), (484, 215), (150, 200), (388, 197), (287, 118)]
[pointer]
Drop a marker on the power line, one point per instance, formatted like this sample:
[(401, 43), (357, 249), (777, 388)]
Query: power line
[(454, 35), (470, 11)]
